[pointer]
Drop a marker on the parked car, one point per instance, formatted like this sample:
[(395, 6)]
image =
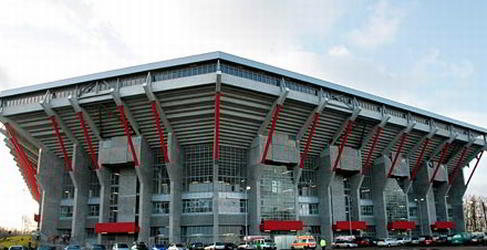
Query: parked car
[(246, 245), (119, 246), (442, 240), (415, 241), (389, 242), (74, 247), (230, 246), (364, 242), (162, 247), (215, 246), (426, 240), (45, 247), (304, 242), (17, 247), (344, 244), (266, 244), (176, 246), (461, 239), (139, 246), (196, 246)]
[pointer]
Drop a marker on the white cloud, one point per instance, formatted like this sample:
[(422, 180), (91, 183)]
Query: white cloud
[(381, 26), (339, 50)]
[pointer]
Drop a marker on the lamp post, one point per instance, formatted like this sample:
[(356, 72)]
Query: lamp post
[(247, 188), (418, 203)]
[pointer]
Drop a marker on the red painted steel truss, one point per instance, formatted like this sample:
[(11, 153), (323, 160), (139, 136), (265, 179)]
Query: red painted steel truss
[(25, 163), (475, 168), (67, 160), (371, 151), (125, 124), (275, 117), (160, 130), (216, 138), (419, 161), (399, 151), (316, 121), (458, 166), (88, 140), (348, 131), (442, 157)]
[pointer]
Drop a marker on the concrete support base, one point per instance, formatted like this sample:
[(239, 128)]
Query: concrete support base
[(455, 198)]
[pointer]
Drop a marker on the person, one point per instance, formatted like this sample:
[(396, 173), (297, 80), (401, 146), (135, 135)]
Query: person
[(323, 244)]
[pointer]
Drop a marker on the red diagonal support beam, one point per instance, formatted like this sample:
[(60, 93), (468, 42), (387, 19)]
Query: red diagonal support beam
[(24, 163), (454, 174), (399, 151), (160, 130), (342, 145), (127, 133), (67, 161), (88, 141), (419, 161), (275, 117), (476, 164), (316, 121), (442, 157), (371, 151), (216, 138)]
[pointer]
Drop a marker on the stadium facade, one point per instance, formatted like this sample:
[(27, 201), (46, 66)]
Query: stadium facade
[(214, 146)]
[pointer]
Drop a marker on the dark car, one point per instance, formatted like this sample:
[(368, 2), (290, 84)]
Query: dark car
[(230, 246), (44, 247), (159, 247), (442, 241), (364, 242), (196, 246)]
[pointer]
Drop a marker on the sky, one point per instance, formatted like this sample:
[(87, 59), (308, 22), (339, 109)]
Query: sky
[(428, 54)]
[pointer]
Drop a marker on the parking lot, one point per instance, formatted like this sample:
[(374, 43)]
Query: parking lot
[(428, 248)]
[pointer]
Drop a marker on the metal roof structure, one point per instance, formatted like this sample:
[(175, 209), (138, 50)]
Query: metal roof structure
[(47, 116)]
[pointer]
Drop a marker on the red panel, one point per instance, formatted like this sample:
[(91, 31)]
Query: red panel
[(118, 227), (347, 225), (443, 225), (277, 225), (401, 225)]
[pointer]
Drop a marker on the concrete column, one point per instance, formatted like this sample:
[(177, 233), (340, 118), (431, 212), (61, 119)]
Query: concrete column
[(175, 173), (422, 189), (378, 184), (104, 176), (455, 197), (254, 173), (81, 178), (144, 174), (440, 198), (50, 171), (356, 182), (325, 177), (216, 203)]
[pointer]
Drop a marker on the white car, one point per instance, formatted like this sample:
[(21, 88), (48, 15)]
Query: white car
[(17, 247), (216, 246), (120, 246), (389, 242), (344, 244), (176, 247)]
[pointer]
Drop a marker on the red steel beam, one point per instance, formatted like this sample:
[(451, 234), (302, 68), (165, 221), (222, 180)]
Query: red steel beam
[(371, 151), (160, 130), (67, 161), (127, 133), (399, 150), (24, 162), (417, 166), (454, 174), (442, 157), (342, 145), (271, 132), (216, 138), (316, 121), (87, 136), (476, 164)]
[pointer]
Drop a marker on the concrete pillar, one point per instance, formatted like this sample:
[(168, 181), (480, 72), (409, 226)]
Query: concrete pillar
[(175, 173), (455, 197), (50, 171), (378, 185), (81, 177), (325, 177), (440, 198), (422, 189), (254, 173), (355, 183), (104, 176), (144, 174)]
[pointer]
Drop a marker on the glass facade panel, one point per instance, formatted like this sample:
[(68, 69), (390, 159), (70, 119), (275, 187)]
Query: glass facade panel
[(93, 210), (277, 194), (197, 234), (308, 182), (197, 206), (68, 187), (198, 168), (396, 201), (94, 186), (232, 169), (66, 211), (160, 178), (160, 207)]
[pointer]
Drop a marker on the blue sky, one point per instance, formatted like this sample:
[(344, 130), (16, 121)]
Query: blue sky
[(428, 54)]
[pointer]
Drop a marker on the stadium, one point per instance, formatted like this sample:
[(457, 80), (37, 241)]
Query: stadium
[(214, 147)]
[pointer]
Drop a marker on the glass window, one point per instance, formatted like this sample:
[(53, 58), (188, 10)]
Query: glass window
[(197, 206), (68, 187), (93, 210), (160, 207), (198, 168), (277, 194), (66, 211), (94, 185), (160, 178), (367, 210)]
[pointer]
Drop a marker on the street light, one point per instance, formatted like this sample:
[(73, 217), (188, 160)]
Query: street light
[(247, 188), (418, 203)]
